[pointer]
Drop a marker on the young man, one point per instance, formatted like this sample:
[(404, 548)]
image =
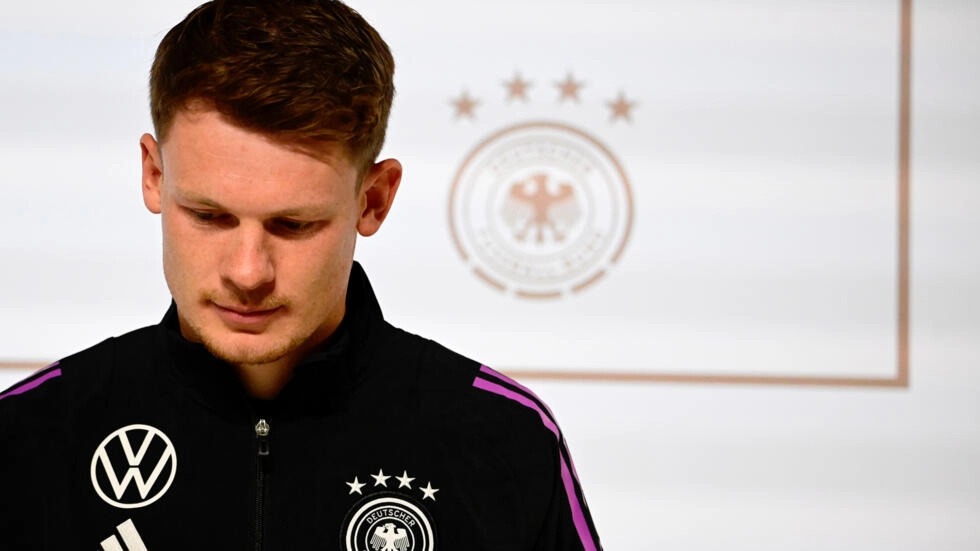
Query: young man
[(273, 407)]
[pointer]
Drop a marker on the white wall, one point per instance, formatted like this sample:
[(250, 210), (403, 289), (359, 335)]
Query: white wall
[(762, 159)]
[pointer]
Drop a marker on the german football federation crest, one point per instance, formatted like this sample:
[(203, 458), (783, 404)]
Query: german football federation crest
[(541, 209), (390, 516)]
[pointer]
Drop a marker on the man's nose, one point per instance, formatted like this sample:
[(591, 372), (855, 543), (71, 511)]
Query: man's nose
[(249, 264)]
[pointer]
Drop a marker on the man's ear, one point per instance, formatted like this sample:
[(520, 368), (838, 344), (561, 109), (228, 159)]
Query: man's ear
[(152, 163), (377, 193)]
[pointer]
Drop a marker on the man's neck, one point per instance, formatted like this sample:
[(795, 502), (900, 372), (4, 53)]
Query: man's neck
[(265, 381)]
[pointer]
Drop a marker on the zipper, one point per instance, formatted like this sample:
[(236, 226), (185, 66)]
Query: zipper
[(262, 430)]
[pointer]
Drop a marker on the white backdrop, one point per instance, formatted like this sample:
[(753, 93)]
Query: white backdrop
[(761, 155)]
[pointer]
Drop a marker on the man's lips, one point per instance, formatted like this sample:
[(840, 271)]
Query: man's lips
[(248, 311), (237, 316)]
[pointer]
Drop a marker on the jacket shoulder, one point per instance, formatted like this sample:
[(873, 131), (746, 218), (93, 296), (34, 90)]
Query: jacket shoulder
[(474, 397), (503, 434), (75, 379)]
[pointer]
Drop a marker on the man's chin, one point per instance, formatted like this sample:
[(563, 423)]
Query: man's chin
[(247, 353)]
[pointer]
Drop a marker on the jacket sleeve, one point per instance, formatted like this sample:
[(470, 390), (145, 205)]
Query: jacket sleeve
[(30, 464), (540, 454), (568, 525)]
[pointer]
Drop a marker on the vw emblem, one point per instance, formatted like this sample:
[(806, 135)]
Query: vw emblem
[(134, 466)]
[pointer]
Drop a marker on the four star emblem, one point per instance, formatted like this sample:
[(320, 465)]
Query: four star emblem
[(569, 89), (404, 481)]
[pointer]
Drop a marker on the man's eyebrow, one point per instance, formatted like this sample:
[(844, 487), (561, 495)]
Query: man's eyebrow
[(298, 212), (302, 211), (203, 201), (185, 195)]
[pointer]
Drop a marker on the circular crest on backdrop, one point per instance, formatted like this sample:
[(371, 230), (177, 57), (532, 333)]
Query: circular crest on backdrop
[(540, 209)]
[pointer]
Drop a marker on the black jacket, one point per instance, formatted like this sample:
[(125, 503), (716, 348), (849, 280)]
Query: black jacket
[(382, 441)]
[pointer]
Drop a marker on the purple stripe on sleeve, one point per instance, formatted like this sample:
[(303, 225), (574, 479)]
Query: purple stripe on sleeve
[(34, 383), (490, 371), (484, 384), (578, 517), (512, 382)]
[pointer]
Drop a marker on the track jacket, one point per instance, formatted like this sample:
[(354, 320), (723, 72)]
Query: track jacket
[(382, 441)]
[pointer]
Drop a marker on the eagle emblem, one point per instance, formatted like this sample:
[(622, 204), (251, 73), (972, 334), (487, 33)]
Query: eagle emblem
[(389, 538), (534, 206), (388, 521)]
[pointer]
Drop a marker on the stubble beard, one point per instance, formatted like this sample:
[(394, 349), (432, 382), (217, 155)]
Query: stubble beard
[(243, 354)]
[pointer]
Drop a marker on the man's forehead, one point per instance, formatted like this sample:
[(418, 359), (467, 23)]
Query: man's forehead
[(198, 114), (210, 162)]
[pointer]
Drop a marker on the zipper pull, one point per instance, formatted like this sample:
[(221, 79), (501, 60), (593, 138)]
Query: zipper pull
[(262, 430)]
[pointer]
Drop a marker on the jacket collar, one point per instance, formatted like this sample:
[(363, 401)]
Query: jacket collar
[(321, 382)]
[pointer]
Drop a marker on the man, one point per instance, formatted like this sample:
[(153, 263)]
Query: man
[(273, 407)]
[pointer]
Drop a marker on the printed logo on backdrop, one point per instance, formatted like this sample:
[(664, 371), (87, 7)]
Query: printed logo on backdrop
[(390, 515), (134, 466), (541, 208)]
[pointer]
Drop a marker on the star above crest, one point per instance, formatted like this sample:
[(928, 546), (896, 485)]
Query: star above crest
[(429, 492), (621, 108), (404, 481), (380, 479), (464, 105), (355, 487), (569, 88), (517, 88)]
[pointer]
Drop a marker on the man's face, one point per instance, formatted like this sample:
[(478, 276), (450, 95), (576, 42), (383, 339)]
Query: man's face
[(258, 237)]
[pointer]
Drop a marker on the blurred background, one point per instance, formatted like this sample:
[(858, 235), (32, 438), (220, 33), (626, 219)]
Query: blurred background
[(717, 317)]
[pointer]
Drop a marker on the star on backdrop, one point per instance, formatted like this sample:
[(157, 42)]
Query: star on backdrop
[(569, 88), (517, 88), (621, 108), (464, 105)]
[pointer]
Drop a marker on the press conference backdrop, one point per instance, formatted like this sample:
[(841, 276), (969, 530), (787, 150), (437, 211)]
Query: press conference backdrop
[(732, 243)]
